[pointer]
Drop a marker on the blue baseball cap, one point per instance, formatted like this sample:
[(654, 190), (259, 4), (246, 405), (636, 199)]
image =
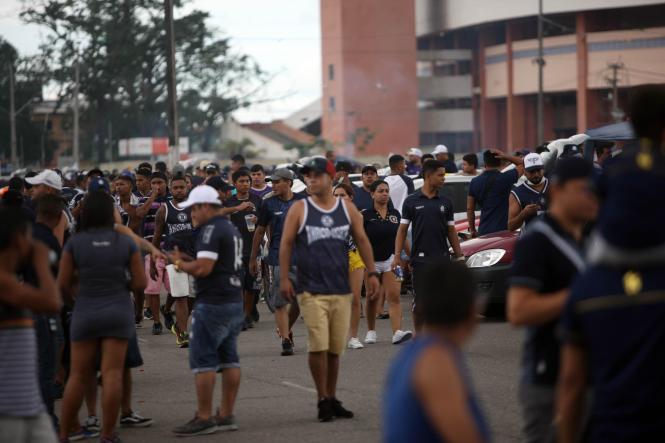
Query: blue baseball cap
[(99, 184)]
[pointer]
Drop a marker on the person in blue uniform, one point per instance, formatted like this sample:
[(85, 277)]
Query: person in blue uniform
[(428, 395), (529, 199), (218, 316), (319, 226), (614, 321)]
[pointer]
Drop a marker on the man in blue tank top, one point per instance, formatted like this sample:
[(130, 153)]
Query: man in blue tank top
[(429, 396), (320, 226), (529, 199)]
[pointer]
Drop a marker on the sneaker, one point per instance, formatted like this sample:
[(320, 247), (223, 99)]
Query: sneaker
[(370, 338), (383, 316), (157, 329), (225, 424), (138, 324), (339, 410), (354, 343), (401, 336), (249, 323), (196, 426), (168, 318), (83, 434), (134, 420), (147, 313), (113, 439), (92, 423), (182, 339), (326, 412), (287, 347)]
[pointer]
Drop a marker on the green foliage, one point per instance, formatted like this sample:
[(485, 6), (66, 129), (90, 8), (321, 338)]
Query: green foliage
[(305, 149), (244, 147), (121, 48)]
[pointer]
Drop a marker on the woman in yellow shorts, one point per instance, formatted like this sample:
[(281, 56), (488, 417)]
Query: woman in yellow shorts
[(356, 273)]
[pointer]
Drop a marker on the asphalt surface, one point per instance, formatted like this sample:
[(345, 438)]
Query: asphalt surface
[(277, 402)]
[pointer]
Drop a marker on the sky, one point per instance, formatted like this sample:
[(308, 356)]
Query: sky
[(283, 37)]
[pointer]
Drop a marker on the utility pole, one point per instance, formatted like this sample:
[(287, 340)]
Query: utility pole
[(174, 138), (540, 106), (617, 113), (75, 146), (12, 118)]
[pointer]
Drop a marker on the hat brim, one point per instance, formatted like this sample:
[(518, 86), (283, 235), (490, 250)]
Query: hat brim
[(273, 178), (534, 168), (190, 202)]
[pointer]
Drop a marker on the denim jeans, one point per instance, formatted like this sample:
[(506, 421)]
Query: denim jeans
[(213, 336)]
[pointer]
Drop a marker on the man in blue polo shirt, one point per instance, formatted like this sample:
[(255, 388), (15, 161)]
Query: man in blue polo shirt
[(614, 321), (432, 219), (490, 191)]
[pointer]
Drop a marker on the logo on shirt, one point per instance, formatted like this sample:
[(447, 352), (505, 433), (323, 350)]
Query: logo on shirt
[(207, 233), (279, 213), (182, 217), (102, 244), (327, 221), (420, 207), (442, 208), (392, 219), (316, 233)]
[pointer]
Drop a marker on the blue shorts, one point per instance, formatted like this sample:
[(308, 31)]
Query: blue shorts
[(213, 336)]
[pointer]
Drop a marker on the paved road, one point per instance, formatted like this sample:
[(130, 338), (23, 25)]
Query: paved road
[(277, 401)]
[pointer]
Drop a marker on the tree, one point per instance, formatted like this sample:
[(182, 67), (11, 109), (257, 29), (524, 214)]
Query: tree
[(305, 149), (242, 147), (28, 80), (120, 46)]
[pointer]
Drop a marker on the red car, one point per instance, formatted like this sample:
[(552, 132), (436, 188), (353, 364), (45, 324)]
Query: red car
[(489, 258)]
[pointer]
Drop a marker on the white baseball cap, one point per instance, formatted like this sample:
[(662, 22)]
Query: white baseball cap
[(533, 161), (415, 151), (203, 194), (441, 149), (47, 177)]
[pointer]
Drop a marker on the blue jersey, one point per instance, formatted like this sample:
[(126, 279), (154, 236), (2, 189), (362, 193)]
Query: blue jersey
[(321, 248), (179, 231), (272, 214), (219, 240), (403, 413), (491, 190), (526, 195)]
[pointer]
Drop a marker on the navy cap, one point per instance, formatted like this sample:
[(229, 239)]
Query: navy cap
[(319, 164), (99, 184), (219, 184), (571, 168)]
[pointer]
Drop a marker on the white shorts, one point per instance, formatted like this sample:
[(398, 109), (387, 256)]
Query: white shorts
[(384, 266)]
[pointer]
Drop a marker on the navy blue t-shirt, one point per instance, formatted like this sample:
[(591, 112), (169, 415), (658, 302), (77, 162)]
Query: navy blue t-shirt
[(494, 213), (272, 214), (618, 317), (547, 259), (219, 240), (526, 195), (362, 199), (430, 219), (238, 219)]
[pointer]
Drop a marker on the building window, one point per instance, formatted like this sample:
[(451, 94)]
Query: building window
[(331, 72), (331, 103)]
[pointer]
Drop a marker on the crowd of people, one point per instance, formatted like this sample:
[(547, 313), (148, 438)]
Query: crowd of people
[(87, 257)]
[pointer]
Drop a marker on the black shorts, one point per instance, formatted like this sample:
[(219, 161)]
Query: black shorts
[(247, 278), (417, 268)]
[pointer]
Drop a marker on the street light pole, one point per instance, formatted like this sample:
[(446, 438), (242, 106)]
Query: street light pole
[(541, 64), (174, 138), (75, 144), (12, 118)]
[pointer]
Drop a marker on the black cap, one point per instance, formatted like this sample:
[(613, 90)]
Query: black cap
[(219, 184), (212, 167), (369, 168), (95, 171), (319, 164), (343, 165), (158, 174), (571, 168)]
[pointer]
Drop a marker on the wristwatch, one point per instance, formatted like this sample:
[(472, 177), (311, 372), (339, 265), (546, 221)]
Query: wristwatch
[(374, 274)]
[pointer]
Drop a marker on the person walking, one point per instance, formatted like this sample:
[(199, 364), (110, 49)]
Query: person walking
[(102, 320), (414, 163), (259, 186), (429, 396), (381, 225), (23, 416), (401, 186), (319, 227), (361, 195), (218, 316), (173, 228), (441, 154), (271, 221), (546, 261), (244, 208), (431, 217), (356, 272), (127, 202)]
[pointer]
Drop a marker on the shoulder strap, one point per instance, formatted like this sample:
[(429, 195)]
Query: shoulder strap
[(560, 243)]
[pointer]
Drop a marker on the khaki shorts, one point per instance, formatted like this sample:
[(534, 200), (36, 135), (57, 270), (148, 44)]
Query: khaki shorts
[(327, 318)]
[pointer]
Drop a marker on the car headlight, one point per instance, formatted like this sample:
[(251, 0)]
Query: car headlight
[(488, 257)]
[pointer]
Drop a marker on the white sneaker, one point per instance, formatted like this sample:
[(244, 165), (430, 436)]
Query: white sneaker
[(370, 338), (401, 336), (354, 343)]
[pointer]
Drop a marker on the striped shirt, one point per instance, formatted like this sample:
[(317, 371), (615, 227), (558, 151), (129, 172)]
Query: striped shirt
[(19, 386)]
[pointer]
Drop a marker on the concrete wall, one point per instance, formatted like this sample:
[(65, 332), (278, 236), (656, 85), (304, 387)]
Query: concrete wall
[(446, 120), (433, 16)]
